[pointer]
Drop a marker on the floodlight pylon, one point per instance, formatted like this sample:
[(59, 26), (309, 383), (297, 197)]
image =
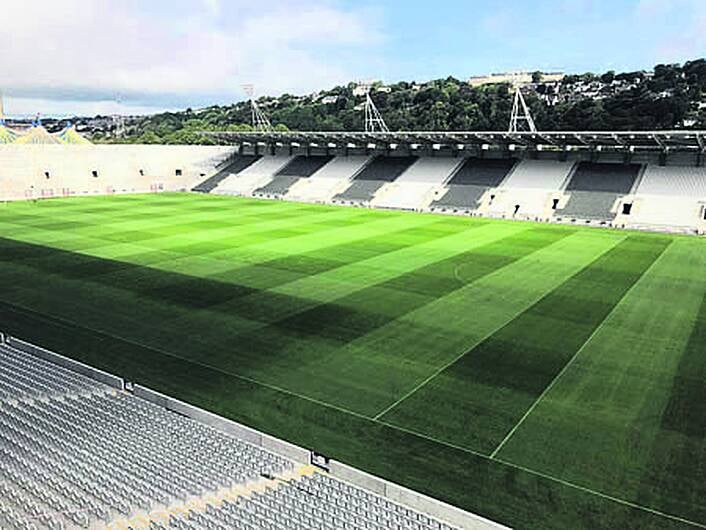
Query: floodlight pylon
[(374, 122), (520, 114), (118, 119), (260, 121)]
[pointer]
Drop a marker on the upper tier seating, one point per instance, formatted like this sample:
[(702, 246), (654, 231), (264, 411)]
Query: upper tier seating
[(609, 178), (326, 182), (488, 172), (678, 181), (373, 176), (254, 176), (299, 167), (470, 182), (594, 189), (303, 166), (415, 184), (430, 170), (545, 175), (238, 164)]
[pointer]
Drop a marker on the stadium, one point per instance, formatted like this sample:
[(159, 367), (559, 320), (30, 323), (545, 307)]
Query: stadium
[(353, 330), (509, 323)]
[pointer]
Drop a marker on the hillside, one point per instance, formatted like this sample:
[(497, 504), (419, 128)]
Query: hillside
[(666, 97)]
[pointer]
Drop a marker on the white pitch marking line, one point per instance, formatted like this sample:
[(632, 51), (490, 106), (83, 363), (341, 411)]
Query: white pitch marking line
[(578, 352), (467, 351)]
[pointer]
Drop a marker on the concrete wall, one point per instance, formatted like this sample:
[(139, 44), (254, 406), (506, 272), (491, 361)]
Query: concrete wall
[(70, 364), (120, 169), (252, 436), (407, 497)]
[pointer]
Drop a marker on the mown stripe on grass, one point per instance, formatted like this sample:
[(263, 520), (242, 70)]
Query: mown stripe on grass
[(678, 456), (686, 410), (301, 346), (479, 398), (369, 308)]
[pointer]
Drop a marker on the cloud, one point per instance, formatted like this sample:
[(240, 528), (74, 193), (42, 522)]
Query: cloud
[(213, 7), (29, 107), (174, 51)]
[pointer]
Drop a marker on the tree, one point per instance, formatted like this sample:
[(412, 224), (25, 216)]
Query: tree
[(608, 77), (639, 102)]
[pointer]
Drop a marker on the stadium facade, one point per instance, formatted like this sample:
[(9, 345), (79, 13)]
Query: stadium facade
[(640, 180)]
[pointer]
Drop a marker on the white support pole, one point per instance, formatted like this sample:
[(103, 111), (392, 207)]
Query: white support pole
[(520, 114), (260, 121), (374, 121)]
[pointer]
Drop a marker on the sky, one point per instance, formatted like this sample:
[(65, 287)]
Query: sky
[(90, 57)]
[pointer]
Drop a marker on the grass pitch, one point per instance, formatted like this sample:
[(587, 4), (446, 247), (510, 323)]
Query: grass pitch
[(541, 375)]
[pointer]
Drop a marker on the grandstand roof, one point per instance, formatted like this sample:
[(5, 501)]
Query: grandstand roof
[(37, 135), (657, 141), (71, 136)]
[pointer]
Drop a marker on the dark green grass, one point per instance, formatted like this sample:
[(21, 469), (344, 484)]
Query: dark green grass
[(476, 401), (309, 322)]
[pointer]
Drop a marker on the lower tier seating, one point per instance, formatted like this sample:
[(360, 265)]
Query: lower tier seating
[(315, 502), (459, 197), (277, 187), (360, 191), (23, 376), (604, 177), (238, 164), (589, 205)]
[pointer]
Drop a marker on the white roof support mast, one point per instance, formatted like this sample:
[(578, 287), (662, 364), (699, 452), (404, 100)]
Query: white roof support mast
[(260, 121), (521, 118), (374, 121)]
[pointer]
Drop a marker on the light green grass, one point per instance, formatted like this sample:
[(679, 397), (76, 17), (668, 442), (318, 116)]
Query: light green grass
[(413, 346)]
